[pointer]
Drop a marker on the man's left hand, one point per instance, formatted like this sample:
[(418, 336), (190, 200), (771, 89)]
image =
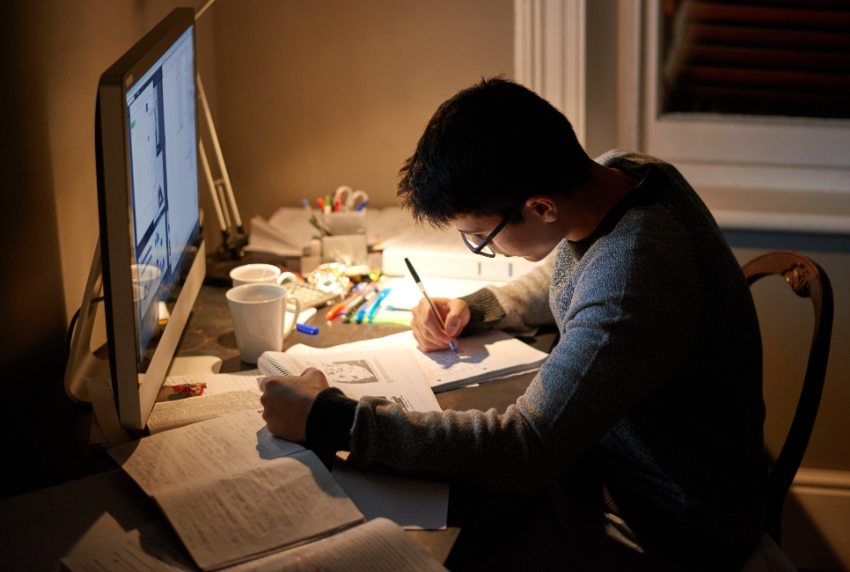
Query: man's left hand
[(287, 402)]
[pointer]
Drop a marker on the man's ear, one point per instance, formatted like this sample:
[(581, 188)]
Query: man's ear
[(544, 207)]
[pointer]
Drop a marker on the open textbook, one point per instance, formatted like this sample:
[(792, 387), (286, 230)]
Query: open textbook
[(376, 546), (393, 375), (480, 358), (233, 492)]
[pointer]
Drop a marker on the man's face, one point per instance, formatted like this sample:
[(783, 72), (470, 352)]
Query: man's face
[(528, 239)]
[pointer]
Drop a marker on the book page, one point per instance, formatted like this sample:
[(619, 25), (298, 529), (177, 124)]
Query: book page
[(392, 375), (480, 358), (229, 519), (151, 548), (200, 451), (376, 546), (172, 414)]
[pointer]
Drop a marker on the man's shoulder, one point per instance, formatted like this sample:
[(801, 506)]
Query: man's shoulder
[(626, 160)]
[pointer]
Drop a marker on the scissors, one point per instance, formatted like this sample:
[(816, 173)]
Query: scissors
[(350, 198)]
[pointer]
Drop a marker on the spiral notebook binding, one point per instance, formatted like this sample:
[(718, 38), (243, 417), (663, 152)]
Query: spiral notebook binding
[(273, 367)]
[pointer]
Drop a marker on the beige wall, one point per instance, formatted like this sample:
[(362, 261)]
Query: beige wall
[(787, 324), (313, 95)]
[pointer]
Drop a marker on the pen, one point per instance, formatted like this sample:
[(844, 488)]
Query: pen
[(362, 205), (321, 202), (430, 303), (355, 303), (340, 308), (338, 204), (309, 211), (328, 204), (377, 303), (363, 306)]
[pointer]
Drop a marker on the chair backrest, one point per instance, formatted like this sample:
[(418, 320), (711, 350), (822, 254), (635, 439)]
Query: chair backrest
[(807, 280)]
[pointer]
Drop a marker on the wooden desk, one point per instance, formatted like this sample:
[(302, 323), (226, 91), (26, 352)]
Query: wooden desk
[(34, 535)]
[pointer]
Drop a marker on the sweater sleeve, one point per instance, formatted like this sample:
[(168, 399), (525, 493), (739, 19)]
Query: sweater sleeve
[(625, 333), (515, 307)]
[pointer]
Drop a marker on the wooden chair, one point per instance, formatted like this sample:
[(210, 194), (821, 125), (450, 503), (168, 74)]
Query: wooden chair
[(807, 280)]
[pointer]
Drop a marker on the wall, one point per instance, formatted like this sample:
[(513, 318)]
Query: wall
[(54, 53), (313, 95)]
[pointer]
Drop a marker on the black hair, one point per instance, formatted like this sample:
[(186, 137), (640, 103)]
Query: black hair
[(486, 150)]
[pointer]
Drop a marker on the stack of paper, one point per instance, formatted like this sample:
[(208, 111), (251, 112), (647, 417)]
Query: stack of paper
[(480, 358), (265, 237), (224, 394)]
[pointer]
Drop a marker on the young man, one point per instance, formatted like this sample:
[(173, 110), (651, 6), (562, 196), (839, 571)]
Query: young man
[(644, 427)]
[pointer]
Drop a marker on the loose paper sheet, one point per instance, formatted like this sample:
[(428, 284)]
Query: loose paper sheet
[(392, 375), (481, 358), (376, 546), (201, 451), (411, 503)]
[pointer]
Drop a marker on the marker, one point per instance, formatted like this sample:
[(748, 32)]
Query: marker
[(335, 311), (363, 307), (377, 303), (321, 202), (362, 205), (430, 303), (338, 204), (307, 329), (340, 308), (355, 303)]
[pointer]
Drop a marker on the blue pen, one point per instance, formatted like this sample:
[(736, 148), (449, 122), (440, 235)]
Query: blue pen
[(365, 306), (377, 303), (362, 205)]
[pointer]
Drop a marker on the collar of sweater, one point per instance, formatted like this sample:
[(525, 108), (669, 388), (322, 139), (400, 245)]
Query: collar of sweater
[(643, 194)]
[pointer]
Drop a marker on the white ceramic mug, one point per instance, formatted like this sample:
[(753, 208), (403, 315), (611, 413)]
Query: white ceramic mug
[(259, 318), (259, 274)]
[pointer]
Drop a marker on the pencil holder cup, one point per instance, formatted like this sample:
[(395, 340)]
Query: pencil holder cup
[(346, 222), (348, 249)]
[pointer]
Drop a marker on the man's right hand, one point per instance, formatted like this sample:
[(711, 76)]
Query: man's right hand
[(426, 329)]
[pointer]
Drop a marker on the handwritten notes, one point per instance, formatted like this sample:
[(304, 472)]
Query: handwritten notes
[(234, 492)]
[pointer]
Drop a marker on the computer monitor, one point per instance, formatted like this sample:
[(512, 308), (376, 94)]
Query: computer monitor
[(146, 133)]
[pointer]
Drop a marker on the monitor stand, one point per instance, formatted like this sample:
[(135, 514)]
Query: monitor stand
[(82, 363)]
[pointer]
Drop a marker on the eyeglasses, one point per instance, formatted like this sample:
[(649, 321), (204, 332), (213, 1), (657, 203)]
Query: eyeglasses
[(483, 248)]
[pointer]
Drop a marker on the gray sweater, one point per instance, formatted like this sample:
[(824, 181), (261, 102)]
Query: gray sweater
[(654, 389)]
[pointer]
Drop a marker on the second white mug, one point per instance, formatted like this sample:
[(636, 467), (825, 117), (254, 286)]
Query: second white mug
[(259, 274)]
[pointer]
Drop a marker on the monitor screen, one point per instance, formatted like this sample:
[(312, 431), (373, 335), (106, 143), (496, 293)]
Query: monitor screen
[(164, 180)]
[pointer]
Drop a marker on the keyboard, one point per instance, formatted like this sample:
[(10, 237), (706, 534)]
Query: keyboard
[(310, 296)]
